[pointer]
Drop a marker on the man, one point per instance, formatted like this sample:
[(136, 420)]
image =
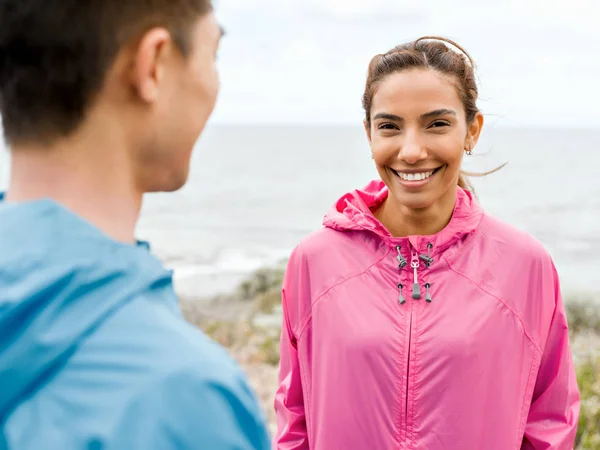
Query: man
[(101, 102)]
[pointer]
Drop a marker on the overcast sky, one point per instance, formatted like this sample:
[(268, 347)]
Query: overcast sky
[(304, 61)]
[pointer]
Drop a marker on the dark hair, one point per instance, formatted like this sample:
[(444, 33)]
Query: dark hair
[(428, 52), (54, 55)]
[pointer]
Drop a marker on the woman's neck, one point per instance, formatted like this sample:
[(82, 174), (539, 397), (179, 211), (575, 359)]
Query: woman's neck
[(402, 221)]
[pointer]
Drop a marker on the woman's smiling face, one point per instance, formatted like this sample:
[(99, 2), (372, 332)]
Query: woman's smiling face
[(418, 133)]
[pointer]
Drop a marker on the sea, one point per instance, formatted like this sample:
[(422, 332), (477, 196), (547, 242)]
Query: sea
[(255, 191)]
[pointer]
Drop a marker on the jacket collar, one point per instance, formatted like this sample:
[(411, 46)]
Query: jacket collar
[(353, 211)]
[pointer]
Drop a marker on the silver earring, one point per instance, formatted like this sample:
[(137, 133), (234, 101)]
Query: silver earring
[(469, 151)]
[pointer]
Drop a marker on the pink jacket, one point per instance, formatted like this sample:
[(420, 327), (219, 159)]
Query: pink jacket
[(480, 361)]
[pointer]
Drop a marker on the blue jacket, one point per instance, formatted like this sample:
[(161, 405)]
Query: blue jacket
[(94, 352)]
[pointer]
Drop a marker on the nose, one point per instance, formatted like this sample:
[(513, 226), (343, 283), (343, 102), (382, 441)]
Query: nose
[(412, 151)]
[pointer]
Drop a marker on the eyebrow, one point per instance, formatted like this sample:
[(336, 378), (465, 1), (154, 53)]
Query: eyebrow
[(439, 112), (428, 115)]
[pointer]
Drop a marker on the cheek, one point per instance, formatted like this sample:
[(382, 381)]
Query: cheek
[(384, 150), (446, 148), (199, 94), (207, 80), (452, 153)]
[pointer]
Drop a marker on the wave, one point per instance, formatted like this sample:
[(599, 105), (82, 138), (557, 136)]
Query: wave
[(228, 261)]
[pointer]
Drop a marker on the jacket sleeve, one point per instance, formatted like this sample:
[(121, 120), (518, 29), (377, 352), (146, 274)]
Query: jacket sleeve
[(289, 403), (554, 412), (193, 409)]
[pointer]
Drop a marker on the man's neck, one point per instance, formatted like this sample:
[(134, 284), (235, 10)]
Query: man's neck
[(401, 221), (93, 181)]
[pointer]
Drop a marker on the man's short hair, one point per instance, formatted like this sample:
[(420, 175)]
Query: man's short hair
[(54, 55)]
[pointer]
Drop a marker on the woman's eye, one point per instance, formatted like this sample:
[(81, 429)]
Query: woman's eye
[(439, 123), (387, 126)]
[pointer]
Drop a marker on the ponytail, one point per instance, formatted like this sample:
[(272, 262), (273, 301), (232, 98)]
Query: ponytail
[(464, 183)]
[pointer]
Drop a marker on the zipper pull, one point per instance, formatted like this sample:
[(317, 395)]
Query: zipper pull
[(416, 292), (428, 298), (402, 263), (401, 298)]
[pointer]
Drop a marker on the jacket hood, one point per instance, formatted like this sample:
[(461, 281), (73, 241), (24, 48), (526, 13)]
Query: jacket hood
[(60, 279), (353, 212)]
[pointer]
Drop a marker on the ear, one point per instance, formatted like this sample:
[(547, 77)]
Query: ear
[(474, 131), (149, 60), (367, 130)]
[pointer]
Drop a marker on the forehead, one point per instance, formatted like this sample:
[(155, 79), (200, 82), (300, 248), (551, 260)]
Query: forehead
[(415, 92)]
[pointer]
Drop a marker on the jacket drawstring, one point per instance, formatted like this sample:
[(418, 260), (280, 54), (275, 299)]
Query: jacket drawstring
[(416, 291), (401, 265), (401, 299), (427, 259), (428, 298), (401, 260)]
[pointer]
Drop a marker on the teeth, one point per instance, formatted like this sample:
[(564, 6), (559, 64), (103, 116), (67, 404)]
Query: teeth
[(414, 176)]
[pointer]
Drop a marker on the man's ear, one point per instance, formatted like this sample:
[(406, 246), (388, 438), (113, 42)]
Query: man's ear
[(149, 58)]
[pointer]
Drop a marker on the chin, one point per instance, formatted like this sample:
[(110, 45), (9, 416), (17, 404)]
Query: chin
[(415, 201), (175, 182), (167, 181), (174, 185)]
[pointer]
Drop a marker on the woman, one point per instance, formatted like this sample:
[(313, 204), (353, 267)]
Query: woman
[(414, 320)]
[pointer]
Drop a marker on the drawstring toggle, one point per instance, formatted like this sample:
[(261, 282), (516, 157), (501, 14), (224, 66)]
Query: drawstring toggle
[(428, 298), (401, 298), (402, 263)]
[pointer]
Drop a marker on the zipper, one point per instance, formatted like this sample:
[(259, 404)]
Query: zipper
[(410, 321), (407, 384), (414, 264)]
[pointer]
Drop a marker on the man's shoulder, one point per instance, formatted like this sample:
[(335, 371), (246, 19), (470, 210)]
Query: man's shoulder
[(193, 406), (153, 333), (186, 384)]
